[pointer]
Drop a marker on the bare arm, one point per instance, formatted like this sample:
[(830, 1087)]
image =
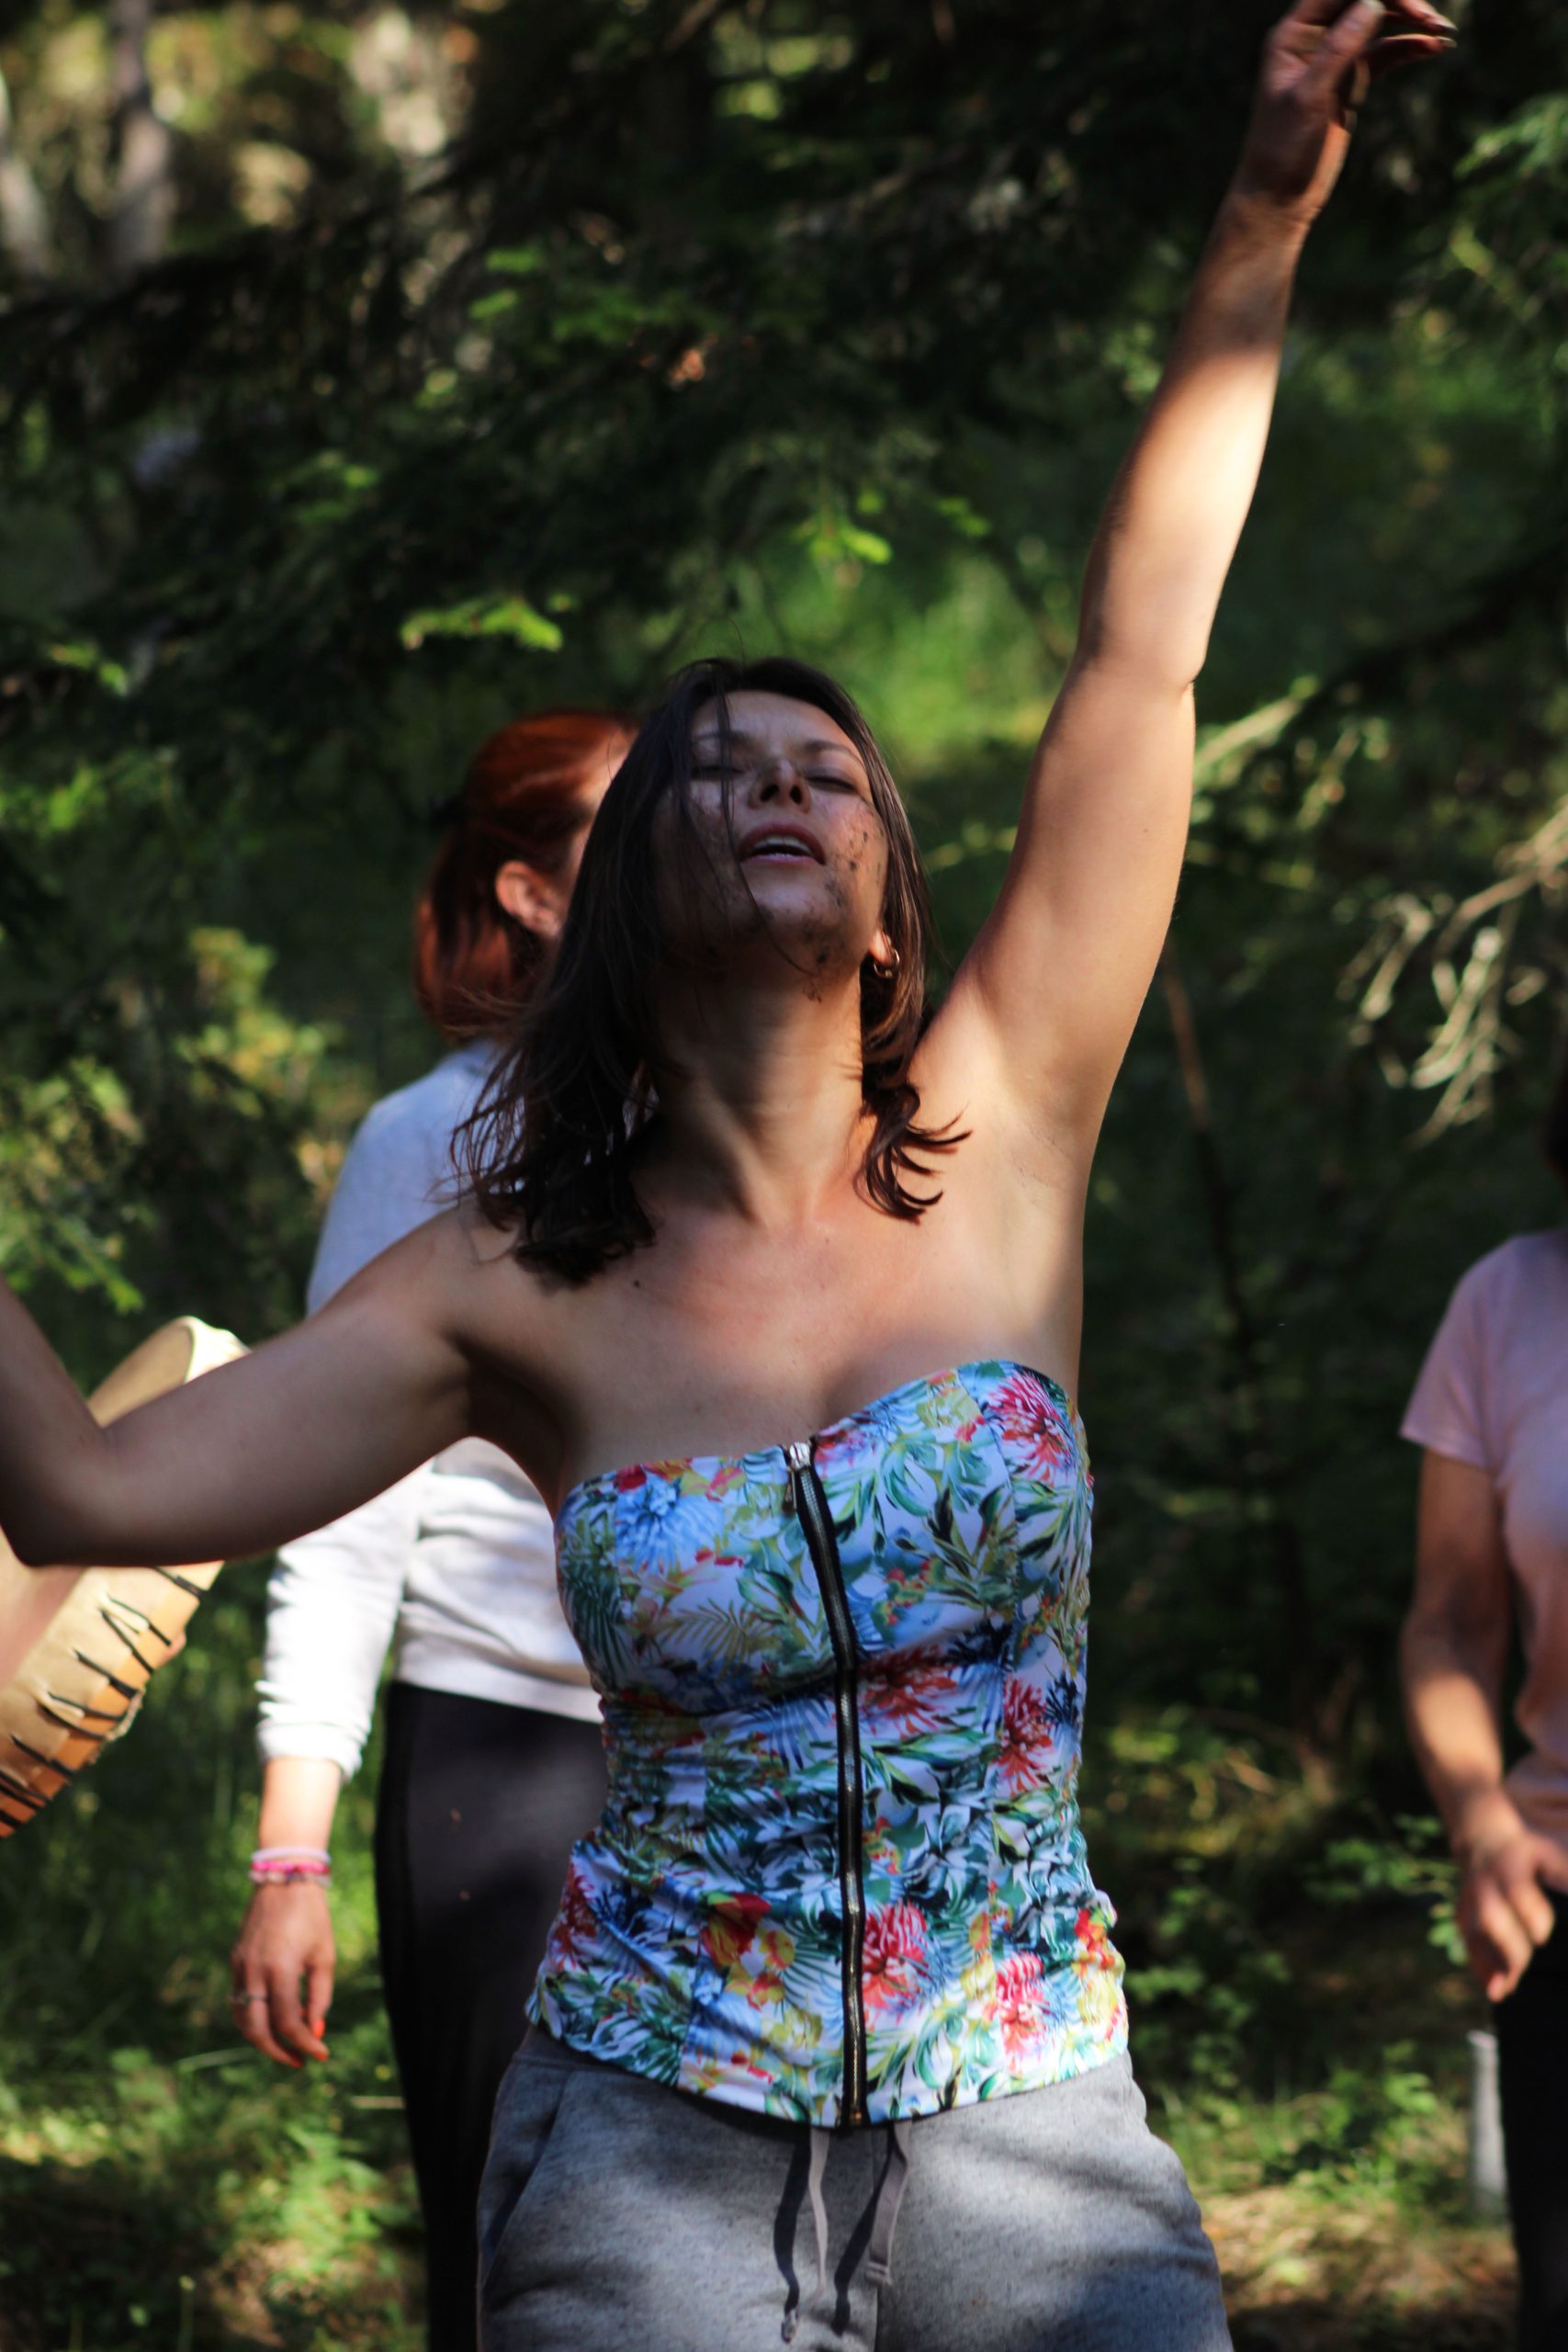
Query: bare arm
[(1453, 1649), (332, 1607), (251, 1455), (1048, 999)]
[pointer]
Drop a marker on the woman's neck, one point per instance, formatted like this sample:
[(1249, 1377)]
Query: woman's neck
[(759, 1098)]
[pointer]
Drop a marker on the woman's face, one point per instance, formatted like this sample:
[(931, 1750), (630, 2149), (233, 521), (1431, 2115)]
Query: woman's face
[(795, 854)]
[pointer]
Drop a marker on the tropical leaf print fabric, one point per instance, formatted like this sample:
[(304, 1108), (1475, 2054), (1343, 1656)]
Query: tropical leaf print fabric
[(700, 1935)]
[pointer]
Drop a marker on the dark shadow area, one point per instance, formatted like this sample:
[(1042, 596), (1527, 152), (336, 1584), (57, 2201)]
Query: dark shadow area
[(99, 2257), (1484, 2325)]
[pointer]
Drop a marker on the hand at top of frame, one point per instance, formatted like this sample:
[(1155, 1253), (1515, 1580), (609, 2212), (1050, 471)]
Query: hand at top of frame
[(1316, 68)]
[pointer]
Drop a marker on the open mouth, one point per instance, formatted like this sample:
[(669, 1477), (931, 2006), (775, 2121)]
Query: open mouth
[(780, 844)]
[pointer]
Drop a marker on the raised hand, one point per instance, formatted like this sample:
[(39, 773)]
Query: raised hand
[(1316, 67)]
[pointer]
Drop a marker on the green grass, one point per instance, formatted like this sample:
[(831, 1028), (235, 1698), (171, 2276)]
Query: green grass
[(160, 2183)]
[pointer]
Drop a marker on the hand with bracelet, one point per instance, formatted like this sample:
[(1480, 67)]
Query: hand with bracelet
[(284, 1956)]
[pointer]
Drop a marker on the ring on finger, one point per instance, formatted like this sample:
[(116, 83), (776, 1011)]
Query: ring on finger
[(240, 2000)]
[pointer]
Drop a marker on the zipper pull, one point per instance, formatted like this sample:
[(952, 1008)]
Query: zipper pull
[(798, 1455)]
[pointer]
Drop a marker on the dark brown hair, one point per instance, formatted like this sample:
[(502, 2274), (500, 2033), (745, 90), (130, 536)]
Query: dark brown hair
[(550, 1149), (527, 794)]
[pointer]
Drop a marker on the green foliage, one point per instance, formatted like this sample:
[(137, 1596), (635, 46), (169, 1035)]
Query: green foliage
[(510, 616), (159, 2183)]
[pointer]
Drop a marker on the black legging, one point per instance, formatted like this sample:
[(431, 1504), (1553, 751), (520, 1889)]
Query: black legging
[(479, 1804), (1532, 2066)]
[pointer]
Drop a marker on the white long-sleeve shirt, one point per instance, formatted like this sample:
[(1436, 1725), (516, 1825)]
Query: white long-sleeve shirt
[(454, 1568)]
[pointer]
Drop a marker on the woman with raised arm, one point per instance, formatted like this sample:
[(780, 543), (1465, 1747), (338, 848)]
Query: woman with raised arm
[(809, 1268)]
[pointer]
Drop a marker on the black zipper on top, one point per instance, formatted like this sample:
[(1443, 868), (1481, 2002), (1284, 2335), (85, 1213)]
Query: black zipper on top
[(816, 1521)]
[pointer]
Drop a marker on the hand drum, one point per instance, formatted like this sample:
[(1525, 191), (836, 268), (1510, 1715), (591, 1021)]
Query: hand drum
[(79, 1646)]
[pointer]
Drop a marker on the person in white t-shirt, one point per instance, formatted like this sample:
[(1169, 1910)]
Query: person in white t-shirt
[(493, 1761), (1491, 1409)]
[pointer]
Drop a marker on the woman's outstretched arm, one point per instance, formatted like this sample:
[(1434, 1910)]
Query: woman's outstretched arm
[(255, 1453), (1046, 1000)]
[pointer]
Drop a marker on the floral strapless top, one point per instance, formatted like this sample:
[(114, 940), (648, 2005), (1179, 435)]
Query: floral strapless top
[(839, 1876)]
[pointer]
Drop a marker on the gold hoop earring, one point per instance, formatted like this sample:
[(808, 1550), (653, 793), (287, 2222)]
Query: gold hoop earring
[(887, 971)]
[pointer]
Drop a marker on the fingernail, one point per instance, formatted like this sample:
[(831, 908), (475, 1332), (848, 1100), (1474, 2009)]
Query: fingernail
[(318, 2027)]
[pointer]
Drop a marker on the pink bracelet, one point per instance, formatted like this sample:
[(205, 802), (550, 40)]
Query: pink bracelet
[(290, 1854), (284, 1874)]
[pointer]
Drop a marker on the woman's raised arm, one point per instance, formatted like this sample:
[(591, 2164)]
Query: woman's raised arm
[(1045, 1002), (254, 1453)]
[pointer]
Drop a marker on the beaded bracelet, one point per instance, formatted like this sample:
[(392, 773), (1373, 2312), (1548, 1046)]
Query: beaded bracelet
[(288, 1865)]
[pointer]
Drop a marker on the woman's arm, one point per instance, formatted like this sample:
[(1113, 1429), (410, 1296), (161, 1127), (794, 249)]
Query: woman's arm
[(252, 1454), (333, 1605), (1452, 1652), (1042, 1011)]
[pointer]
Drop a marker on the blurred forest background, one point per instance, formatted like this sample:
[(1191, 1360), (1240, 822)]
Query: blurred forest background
[(373, 373)]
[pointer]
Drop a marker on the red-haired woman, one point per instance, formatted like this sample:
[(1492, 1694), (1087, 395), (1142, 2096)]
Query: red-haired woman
[(493, 1759), (806, 1265)]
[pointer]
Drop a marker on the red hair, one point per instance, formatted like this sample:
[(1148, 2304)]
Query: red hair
[(530, 791)]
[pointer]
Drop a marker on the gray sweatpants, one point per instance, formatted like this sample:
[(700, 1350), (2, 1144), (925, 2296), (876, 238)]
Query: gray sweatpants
[(620, 2216)]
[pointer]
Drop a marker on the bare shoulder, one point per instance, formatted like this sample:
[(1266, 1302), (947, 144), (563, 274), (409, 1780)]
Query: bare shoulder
[(525, 1334), (469, 1270), (456, 1285), (472, 1243), (455, 1247)]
